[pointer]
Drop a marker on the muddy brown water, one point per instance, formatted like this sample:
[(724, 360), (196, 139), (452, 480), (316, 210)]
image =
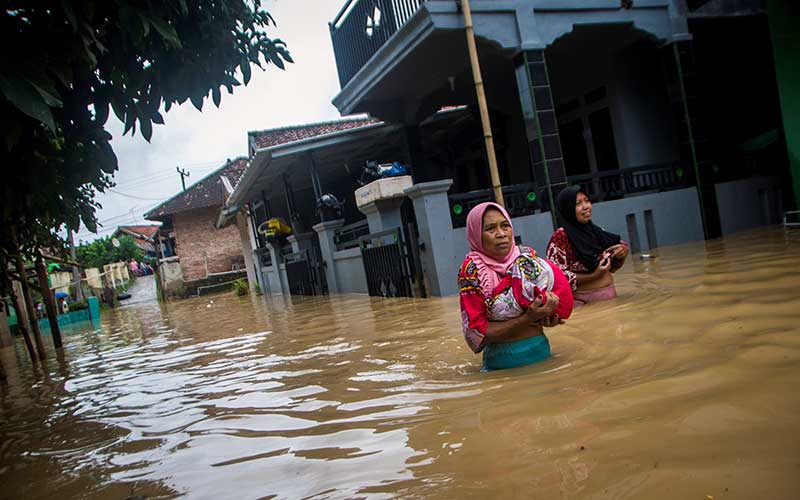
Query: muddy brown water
[(686, 386)]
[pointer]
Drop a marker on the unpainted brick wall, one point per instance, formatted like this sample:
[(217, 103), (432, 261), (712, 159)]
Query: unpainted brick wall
[(200, 244)]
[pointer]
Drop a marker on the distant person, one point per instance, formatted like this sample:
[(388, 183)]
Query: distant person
[(507, 293), (588, 255), (134, 267)]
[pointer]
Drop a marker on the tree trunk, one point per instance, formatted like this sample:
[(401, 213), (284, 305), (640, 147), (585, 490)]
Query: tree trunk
[(26, 294), (49, 302), (15, 302)]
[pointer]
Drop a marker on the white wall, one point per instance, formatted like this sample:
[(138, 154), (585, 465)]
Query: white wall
[(349, 268), (749, 203), (676, 217)]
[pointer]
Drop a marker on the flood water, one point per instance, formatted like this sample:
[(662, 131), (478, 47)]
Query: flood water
[(686, 386)]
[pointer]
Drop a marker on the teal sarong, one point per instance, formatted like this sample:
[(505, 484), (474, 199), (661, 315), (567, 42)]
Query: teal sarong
[(514, 354)]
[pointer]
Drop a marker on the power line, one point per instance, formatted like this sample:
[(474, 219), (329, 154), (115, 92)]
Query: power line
[(208, 165), (136, 179), (134, 197)]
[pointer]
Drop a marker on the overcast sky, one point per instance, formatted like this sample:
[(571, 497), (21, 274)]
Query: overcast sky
[(201, 142)]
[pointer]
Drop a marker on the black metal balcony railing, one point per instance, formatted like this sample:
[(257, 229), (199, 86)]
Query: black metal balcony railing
[(521, 200), (615, 184), (362, 27), (526, 199)]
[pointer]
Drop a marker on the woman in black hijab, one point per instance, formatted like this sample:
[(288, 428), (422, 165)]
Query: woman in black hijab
[(586, 253)]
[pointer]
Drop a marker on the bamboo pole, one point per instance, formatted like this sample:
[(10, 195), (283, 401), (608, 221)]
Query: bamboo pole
[(49, 302), (484, 108), (26, 294)]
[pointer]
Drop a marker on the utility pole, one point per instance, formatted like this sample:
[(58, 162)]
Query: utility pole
[(183, 174)]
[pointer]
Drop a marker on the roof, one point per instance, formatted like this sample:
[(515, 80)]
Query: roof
[(272, 137), (207, 192), (142, 235), (140, 231)]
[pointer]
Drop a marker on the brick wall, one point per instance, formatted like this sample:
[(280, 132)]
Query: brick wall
[(200, 244)]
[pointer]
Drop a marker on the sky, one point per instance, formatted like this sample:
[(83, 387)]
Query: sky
[(199, 142)]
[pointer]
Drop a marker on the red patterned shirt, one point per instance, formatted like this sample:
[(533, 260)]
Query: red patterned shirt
[(560, 252), (525, 280)]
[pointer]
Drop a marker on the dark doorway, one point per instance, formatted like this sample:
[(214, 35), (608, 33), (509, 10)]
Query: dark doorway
[(605, 150), (573, 144)]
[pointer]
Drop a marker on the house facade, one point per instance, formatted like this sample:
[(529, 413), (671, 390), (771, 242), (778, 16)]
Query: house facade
[(645, 104), (144, 235), (193, 253)]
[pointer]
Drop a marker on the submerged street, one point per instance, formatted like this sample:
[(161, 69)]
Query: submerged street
[(683, 387)]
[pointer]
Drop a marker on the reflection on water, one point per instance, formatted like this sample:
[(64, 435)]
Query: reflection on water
[(685, 386)]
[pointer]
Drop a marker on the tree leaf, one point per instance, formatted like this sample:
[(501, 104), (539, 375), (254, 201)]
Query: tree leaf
[(27, 99), (101, 112), (130, 121), (118, 108), (244, 66), (71, 17), (198, 102), (146, 128), (63, 72), (48, 96), (276, 60), (157, 118), (215, 94), (166, 31)]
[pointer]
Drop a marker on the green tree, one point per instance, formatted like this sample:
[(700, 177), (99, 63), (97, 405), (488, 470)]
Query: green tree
[(102, 251), (67, 64)]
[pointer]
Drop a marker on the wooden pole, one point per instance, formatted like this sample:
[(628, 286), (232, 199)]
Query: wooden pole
[(76, 273), (23, 328), (484, 108), (26, 294), (20, 313), (49, 302)]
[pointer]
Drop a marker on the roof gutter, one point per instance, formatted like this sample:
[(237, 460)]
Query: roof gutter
[(258, 165), (226, 213)]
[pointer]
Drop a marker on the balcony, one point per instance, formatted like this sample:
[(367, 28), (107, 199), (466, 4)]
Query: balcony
[(528, 199), (362, 27)]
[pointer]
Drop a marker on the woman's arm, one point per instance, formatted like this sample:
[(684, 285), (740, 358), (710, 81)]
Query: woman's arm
[(602, 269), (527, 325), (619, 254)]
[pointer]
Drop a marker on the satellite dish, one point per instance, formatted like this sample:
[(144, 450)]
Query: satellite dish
[(115, 242)]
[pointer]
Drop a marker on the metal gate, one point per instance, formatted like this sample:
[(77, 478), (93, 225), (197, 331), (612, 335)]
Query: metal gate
[(391, 264), (305, 272)]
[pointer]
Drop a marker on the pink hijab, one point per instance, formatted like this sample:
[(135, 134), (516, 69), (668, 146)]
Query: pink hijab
[(489, 270)]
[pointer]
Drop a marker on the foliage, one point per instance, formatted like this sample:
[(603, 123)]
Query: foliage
[(102, 251), (68, 64), (240, 287), (78, 306)]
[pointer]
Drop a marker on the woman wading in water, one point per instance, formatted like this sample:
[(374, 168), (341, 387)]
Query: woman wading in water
[(507, 293), (586, 253)]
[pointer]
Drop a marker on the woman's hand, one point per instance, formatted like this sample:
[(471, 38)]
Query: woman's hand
[(552, 321), (618, 251), (538, 311), (603, 268)]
